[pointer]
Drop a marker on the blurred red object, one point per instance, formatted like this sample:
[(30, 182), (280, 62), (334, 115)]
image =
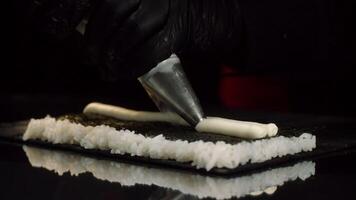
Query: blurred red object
[(252, 92)]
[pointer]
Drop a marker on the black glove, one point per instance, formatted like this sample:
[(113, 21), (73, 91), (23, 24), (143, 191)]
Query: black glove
[(126, 38), (129, 37)]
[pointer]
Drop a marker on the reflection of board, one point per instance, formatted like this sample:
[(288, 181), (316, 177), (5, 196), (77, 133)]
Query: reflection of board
[(188, 183), (14, 133)]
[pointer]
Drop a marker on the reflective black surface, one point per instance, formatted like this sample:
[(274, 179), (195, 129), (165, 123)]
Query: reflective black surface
[(335, 177)]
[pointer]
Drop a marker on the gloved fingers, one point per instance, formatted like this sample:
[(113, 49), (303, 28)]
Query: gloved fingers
[(148, 20), (35, 7), (145, 56), (58, 19), (29, 11), (105, 19)]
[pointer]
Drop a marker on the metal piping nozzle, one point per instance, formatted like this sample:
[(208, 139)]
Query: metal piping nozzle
[(170, 89)]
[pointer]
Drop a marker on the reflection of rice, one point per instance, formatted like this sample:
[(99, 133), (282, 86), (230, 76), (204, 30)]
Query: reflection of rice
[(196, 185), (201, 154)]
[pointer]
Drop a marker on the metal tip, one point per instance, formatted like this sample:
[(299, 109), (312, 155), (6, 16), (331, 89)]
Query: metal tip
[(170, 89)]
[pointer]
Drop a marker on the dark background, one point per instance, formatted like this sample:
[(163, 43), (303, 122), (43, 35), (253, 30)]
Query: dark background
[(306, 47), (303, 48)]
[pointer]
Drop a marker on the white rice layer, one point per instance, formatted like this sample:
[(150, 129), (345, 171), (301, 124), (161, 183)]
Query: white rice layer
[(192, 184), (201, 154)]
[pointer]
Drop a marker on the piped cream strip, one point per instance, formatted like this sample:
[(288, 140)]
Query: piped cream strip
[(121, 113), (200, 154), (242, 129), (191, 184), (217, 125)]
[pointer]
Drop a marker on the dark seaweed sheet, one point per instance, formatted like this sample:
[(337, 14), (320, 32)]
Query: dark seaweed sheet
[(151, 129)]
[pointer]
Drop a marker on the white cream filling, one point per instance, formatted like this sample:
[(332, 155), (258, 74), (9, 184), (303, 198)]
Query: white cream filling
[(126, 114), (242, 129), (200, 154), (191, 184)]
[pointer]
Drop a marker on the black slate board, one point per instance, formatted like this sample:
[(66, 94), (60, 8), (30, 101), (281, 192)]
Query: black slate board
[(12, 132)]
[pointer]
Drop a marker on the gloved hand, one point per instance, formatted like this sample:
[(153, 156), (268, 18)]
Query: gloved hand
[(126, 38), (129, 37)]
